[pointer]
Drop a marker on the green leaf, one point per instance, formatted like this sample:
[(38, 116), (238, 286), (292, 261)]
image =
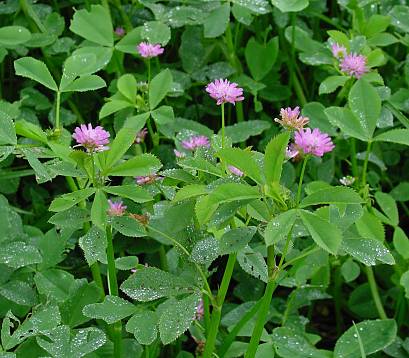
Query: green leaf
[(325, 234), (7, 131), (128, 43), (332, 195), (290, 5), (243, 160), (256, 6), (19, 254), (274, 157), (253, 263), (61, 344), (190, 191), (66, 201), (111, 310), (94, 25), (36, 70), (41, 321), (143, 326), (163, 115), (376, 24), (126, 262), (331, 83), (42, 175), (113, 106), (54, 284), (30, 130), (291, 343), (144, 164), (120, 145), (11, 36), (99, 209), (205, 251), (261, 58), (401, 191), (94, 244), (340, 38), (127, 86), (350, 270), (388, 206), (375, 335), (128, 226), (400, 17), (365, 103), (19, 292), (215, 24), (401, 243), (400, 136), (349, 124), (278, 228), (82, 294), (159, 87), (155, 32), (236, 239), (85, 83), (368, 251), (177, 317), (200, 165), (136, 122), (242, 131), (133, 192), (150, 283), (370, 227), (404, 282)]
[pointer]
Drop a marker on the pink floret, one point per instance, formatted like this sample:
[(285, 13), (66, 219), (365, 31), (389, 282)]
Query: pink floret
[(147, 50), (116, 208), (225, 92), (313, 142), (92, 139), (354, 65), (195, 142)]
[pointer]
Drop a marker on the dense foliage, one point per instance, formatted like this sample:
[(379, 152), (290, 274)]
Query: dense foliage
[(204, 178)]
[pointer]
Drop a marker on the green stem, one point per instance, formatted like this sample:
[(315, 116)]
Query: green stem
[(125, 18), (375, 293), (217, 308), (365, 167), (57, 112), (354, 158), (223, 139), (237, 328), (113, 290), (163, 259), (304, 164), (149, 72)]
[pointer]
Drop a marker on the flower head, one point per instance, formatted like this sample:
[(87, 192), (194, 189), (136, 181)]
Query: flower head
[(235, 171), (120, 31), (140, 136), (313, 142), (354, 65), (147, 50), (291, 152), (338, 51), (225, 92), (147, 179), (347, 181), (199, 310), (291, 119), (116, 208), (179, 154), (92, 139), (195, 142)]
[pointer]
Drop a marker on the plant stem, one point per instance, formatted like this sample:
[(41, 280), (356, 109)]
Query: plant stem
[(163, 259), (57, 113), (233, 333), (353, 158), (95, 271), (223, 139), (217, 308), (375, 293), (113, 290), (149, 72), (365, 167), (304, 164)]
